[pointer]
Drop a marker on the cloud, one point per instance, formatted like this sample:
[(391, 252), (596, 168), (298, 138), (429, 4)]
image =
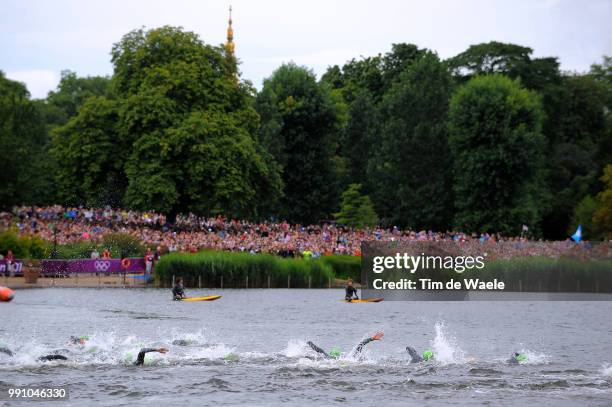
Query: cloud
[(38, 81)]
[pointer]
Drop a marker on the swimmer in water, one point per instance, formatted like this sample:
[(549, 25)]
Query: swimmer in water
[(517, 358), (335, 353), (48, 358), (416, 358), (5, 350), (79, 340), (183, 342), (140, 359), (45, 358), (178, 292), (350, 291)]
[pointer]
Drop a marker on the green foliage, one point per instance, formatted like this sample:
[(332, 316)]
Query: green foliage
[(602, 218), (508, 59), (344, 266), (359, 135), (119, 244), (578, 141), (72, 92), (583, 215), (175, 134), (401, 57), (23, 247), (90, 155), (209, 165), (22, 142), (189, 125), (300, 124), (410, 169), (122, 245), (603, 73), (230, 270), (496, 143), (356, 210)]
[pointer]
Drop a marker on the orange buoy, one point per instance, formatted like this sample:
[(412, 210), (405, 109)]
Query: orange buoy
[(6, 294)]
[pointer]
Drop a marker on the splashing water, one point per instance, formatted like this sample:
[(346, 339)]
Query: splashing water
[(195, 338), (606, 370), (296, 348), (445, 348)]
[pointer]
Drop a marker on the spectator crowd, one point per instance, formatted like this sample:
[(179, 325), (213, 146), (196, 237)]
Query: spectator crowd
[(193, 233)]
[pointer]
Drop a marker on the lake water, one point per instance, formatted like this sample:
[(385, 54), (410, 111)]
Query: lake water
[(249, 348)]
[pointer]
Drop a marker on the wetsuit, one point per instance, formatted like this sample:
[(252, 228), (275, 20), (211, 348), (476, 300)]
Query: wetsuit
[(350, 291), (362, 344), (415, 357), (182, 342), (318, 350), (45, 358), (177, 291), (141, 355)]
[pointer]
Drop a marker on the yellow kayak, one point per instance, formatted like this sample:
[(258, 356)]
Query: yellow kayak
[(209, 298), (366, 300)]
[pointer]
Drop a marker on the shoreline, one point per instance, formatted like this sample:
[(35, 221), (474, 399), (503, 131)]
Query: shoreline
[(112, 281)]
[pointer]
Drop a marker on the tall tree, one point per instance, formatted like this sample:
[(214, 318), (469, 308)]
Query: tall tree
[(300, 124), (23, 142), (72, 92), (394, 63), (182, 111), (356, 210), (178, 134), (412, 166), (496, 142), (90, 155), (577, 149), (511, 60), (602, 218)]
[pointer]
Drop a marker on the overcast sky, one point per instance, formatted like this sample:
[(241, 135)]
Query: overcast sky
[(38, 38)]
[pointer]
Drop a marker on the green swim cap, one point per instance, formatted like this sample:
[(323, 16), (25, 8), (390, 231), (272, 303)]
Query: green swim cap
[(428, 354), (148, 360), (128, 357), (231, 357), (334, 352), (521, 357), (84, 337)]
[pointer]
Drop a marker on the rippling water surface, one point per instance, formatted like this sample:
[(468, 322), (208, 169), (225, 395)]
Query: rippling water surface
[(249, 348)]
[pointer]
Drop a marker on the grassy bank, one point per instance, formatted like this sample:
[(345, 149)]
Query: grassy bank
[(236, 270)]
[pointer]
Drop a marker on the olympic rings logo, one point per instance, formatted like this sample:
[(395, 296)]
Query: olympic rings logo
[(102, 265)]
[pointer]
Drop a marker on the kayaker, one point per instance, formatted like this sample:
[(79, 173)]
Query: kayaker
[(178, 292), (350, 291)]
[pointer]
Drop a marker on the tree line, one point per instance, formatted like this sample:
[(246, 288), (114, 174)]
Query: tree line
[(487, 141)]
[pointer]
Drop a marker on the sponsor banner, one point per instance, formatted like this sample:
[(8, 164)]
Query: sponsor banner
[(91, 266), (16, 265)]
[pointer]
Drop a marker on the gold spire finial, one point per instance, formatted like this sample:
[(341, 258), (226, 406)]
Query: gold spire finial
[(229, 45)]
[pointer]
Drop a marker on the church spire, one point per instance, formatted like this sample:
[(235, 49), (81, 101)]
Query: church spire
[(229, 48), (229, 45)]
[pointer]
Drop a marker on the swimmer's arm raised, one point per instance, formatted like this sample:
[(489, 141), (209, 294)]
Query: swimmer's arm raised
[(141, 354)]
